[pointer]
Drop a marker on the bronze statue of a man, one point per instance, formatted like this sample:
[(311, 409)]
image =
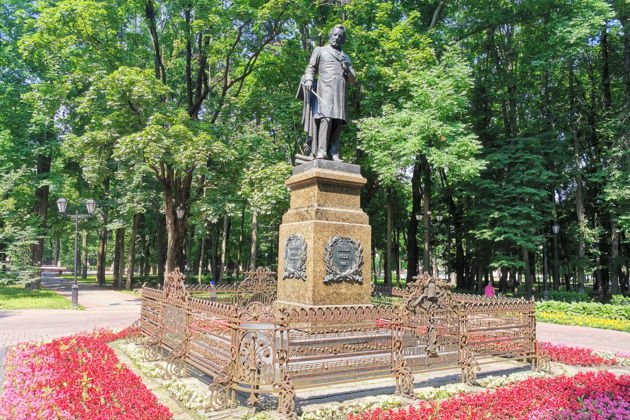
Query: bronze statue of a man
[(325, 108)]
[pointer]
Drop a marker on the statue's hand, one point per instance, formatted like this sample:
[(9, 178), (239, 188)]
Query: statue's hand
[(308, 84), (344, 66)]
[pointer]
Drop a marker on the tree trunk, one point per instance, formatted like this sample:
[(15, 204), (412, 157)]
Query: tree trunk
[(239, 263), (388, 243), (460, 263), (159, 243), (131, 262), (503, 280), (513, 282), (532, 269), (398, 259), (213, 252), (426, 212), (625, 23), (101, 256), (146, 251), (607, 95), (252, 249), (457, 225), (412, 229), (526, 271), (176, 232), (581, 217), (41, 194), (160, 72), (187, 251), (614, 257), (57, 252), (480, 282), (144, 254), (119, 253), (579, 190), (374, 265), (202, 258), (224, 243), (121, 265), (84, 259), (436, 14)]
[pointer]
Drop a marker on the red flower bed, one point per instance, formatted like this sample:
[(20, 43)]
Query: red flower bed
[(77, 377), (580, 396), (577, 356)]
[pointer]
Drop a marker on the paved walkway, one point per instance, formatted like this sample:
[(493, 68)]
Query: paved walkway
[(103, 308), (593, 338)]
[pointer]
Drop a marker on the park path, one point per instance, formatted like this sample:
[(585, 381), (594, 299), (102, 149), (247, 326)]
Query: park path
[(593, 338), (103, 308)]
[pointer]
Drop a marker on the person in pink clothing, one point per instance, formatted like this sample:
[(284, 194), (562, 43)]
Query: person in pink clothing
[(489, 290)]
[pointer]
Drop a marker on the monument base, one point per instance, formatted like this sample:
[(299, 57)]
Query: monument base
[(325, 238)]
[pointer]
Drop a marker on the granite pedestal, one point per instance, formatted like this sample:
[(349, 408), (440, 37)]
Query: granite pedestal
[(325, 238)]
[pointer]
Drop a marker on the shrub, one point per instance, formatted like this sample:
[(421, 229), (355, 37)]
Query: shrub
[(620, 300), (599, 310), (564, 296)]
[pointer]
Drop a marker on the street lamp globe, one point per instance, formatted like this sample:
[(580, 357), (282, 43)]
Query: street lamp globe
[(180, 212), (439, 217), (556, 227), (62, 203), (91, 206)]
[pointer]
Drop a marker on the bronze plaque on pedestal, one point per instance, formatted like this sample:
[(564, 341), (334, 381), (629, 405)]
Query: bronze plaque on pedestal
[(295, 257), (344, 260)]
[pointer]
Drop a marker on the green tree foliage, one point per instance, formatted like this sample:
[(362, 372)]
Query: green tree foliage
[(426, 116), (499, 118)]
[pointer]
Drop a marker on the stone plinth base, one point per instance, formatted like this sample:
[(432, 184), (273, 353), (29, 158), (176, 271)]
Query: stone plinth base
[(293, 305), (325, 238)]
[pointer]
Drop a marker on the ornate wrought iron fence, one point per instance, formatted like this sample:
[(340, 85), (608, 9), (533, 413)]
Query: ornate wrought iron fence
[(247, 342)]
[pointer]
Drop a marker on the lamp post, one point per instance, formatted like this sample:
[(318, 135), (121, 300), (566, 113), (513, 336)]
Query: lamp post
[(90, 204), (556, 272), (180, 212)]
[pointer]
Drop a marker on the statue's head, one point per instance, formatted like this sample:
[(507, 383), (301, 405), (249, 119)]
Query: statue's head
[(337, 36)]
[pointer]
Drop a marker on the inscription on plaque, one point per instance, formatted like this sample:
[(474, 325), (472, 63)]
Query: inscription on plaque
[(295, 257), (344, 260)]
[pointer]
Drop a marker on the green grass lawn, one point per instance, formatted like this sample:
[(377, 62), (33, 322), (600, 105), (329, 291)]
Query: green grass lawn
[(15, 296), (91, 278), (109, 279), (130, 292)]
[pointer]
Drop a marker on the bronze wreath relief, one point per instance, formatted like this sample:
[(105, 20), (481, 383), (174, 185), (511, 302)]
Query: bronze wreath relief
[(343, 257)]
